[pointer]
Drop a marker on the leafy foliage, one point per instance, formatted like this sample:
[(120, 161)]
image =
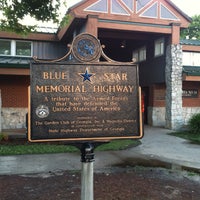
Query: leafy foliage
[(193, 31), (3, 137), (194, 124), (65, 20), (16, 10)]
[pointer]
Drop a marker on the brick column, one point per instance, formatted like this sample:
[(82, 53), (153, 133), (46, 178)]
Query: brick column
[(173, 77)]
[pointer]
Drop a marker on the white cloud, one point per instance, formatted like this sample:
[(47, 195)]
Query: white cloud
[(190, 7)]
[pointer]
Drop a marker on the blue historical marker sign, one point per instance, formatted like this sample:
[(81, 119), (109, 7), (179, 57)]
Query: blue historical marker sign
[(84, 102)]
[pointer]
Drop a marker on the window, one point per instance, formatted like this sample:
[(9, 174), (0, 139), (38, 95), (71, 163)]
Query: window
[(99, 6), (140, 54), (5, 47), (141, 4), (23, 48), (159, 47), (135, 55), (116, 8), (15, 48), (129, 4), (151, 12), (165, 13)]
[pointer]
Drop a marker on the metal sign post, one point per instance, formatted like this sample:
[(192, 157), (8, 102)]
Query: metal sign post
[(87, 159)]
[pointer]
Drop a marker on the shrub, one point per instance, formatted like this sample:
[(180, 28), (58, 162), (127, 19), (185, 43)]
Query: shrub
[(3, 137), (194, 124)]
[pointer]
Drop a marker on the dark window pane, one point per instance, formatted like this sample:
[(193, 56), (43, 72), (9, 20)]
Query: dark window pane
[(23, 48), (5, 47)]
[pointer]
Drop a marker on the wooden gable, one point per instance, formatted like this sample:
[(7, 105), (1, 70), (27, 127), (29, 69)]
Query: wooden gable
[(161, 12), (147, 16)]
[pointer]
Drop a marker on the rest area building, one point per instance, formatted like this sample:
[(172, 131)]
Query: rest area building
[(146, 30)]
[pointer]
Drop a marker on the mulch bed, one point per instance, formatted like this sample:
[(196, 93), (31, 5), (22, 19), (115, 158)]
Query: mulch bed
[(117, 184)]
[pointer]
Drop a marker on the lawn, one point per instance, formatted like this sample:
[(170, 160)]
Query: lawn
[(195, 138), (42, 148)]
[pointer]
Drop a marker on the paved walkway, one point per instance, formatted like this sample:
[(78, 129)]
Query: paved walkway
[(157, 149)]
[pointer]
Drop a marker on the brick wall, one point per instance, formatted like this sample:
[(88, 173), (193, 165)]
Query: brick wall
[(14, 91), (157, 95)]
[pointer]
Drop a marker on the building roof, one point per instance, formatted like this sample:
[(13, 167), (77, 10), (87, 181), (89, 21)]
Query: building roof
[(169, 1), (191, 70), (13, 61), (190, 42), (43, 29), (124, 16)]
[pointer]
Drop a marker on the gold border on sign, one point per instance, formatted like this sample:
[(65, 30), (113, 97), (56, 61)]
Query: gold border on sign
[(140, 123), (140, 112), (29, 114)]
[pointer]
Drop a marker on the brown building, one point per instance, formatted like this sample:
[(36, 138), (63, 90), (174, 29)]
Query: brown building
[(147, 30)]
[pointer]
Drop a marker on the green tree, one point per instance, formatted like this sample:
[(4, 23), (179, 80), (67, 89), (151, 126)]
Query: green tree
[(193, 31), (14, 11)]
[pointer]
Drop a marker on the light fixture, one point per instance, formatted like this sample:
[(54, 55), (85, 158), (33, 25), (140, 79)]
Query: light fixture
[(123, 44)]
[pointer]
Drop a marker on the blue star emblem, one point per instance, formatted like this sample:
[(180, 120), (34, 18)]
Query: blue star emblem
[(86, 76)]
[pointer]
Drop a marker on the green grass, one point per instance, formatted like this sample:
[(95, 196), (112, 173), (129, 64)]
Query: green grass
[(11, 149), (118, 145), (34, 149), (195, 138)]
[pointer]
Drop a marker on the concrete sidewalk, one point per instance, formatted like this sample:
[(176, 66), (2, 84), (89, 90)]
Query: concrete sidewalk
[(157, 149)]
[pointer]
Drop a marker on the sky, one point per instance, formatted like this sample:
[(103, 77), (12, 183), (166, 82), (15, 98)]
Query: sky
[(190, 7)]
